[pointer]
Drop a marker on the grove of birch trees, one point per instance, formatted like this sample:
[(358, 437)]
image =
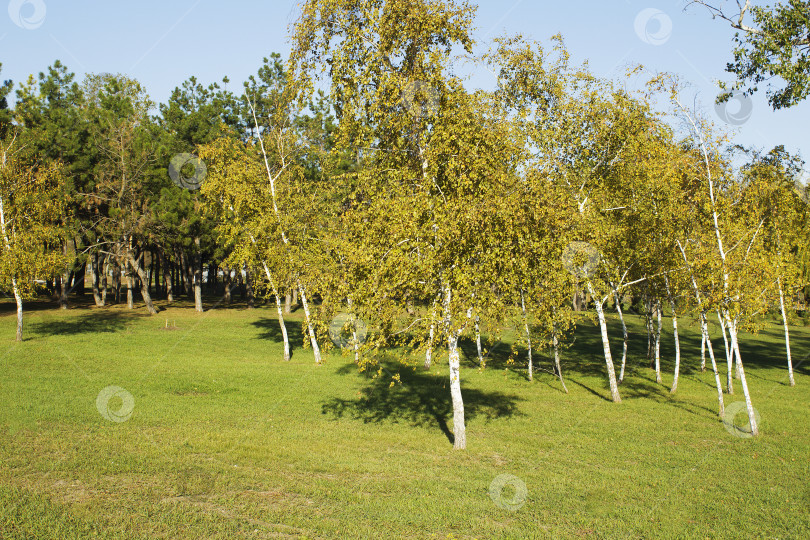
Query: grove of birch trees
[(363, 176)]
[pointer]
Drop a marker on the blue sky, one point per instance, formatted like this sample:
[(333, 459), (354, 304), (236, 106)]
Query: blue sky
[(163, 43)]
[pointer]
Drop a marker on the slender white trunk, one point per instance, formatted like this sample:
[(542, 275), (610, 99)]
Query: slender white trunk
[(429, 351), (281, 323), (272, 180), (459, 429), (624, 335), (658, 343), (7, 243), (528, 335), (677, 338), (732, 331), (705, 341), (312, 339), (787, 333), (556, 345), (704, 328), (18, 300), (729, 354), (478, 341), (614, 387), (355, 341)]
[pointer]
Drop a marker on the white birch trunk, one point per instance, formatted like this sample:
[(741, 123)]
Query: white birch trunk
[(732, 331), (704, 328), (787, 333), (556, 345), (429, 351), (614, 387), (658, 343), (431, 334), (272, 180), (312, 339), (624, 335), (15, 288), (528, 335), (459, 428), (281, 323), (705, 341), (18, 300), (478, 341), (355, 341), (729, 354), (677, 338)]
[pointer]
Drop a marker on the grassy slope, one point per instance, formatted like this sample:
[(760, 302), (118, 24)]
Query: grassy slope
[(228, 441)]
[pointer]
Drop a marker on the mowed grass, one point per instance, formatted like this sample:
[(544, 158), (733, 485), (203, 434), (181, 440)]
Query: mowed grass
[(226, 440)]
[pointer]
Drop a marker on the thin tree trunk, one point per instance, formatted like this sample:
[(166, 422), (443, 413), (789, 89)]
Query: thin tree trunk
[(281, 323), (92, 262), (295, 297), (312, 338), (459, 428), (130, 280), (614, 387), (167, 277), (198, 303), (226, 279), (116, 278), (18, 300), (353, 323), (648, 321), (732, 330), (104, 269), (729, 354), (249, 287), (704, 328), (528, 335), (63, 291), (288, 301), (478, 341), (431, 334), (147, 299), (677, 338), (14, 287), (556, 344), (787, 333), (624, 335), (658, 343)]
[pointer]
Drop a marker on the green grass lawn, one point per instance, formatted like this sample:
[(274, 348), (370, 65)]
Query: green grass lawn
[(225, 440)]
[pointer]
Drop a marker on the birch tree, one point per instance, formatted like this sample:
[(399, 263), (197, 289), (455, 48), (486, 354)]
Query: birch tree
[(32, 206)]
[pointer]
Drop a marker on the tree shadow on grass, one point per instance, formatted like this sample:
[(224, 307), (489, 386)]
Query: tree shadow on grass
[(421, 399), (92, 322), (271, 330)]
